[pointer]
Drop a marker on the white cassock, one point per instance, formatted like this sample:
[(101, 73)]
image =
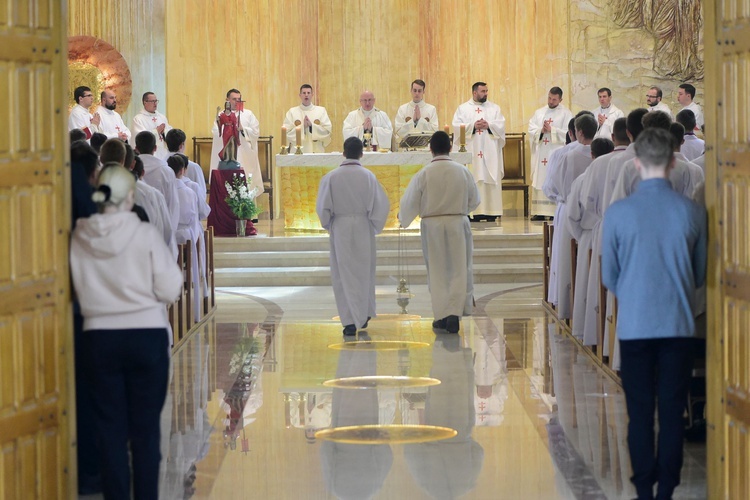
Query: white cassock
[(147, 122), (382, 130), (698, 112), (405, 124), (203, 211), (353, 207), (491, 372), (557, 186), (111, 123), (612, 113), (446, 233), (662, 107), (701, 162), (194, 172), (157, 174), (542, 146), (155, 205), (693, 147), (486, 147), (316, 138), (189, 230), (247, 150), (684, 177), (81, 118)]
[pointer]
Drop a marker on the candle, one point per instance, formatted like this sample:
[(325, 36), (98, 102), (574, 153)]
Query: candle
[(298, 129), (462, 136), (447, 129), (283, 136)]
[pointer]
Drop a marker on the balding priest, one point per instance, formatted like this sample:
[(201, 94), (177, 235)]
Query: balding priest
[(313, 121), (111, 122), (247, 149), (369, 124), (483, 126), (416, 116), (150, 120)]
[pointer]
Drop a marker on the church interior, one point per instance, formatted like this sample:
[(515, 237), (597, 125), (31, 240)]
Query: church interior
[(266, 399)]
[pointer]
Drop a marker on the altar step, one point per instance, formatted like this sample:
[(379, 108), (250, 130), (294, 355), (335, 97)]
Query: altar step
[(304, 260)]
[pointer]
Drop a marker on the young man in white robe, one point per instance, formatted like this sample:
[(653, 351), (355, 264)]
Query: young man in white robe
[(315, 126), (692, 147), (150, 120), (111, 123), (247, 149), (606, 113), (547, 129), (484, 126), (176, 140), (416, 116), (685, 96), (157, 174), (653, 100), (80, 117), (447, 243), (155, 205), (557, 186), (368, 119), (353, 207)]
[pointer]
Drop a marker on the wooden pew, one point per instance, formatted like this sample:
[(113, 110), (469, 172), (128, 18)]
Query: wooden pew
[(547, 236)]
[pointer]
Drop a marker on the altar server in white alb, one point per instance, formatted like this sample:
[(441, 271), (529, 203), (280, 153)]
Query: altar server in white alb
[(247, 149), (353, 207), (369, 119), (80, 117), (446, 233), (606, 113), (547, 130), (150, 120), (313, 121), (111, 123), (484, 125), (416, 116)]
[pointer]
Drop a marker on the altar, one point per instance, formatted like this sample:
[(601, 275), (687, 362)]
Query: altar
[(299, 177)]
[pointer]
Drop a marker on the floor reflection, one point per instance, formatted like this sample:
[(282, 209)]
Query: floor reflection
[(534, 417)]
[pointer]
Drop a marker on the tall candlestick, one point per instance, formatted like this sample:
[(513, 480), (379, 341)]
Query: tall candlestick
[(447, 129), (462, 136), (298, 137), (283, 136)]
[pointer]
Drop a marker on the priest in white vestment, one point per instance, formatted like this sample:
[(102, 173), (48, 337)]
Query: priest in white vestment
[(416, 116), (353, 207), (557, 186), (80, 117), (547, 129), (111, 123), (685, 96), (447, 243), (150, 120), (369, 119), (484, 127), (315, 126), (606, 113), (247, 149), (653, 100), (157, 174)]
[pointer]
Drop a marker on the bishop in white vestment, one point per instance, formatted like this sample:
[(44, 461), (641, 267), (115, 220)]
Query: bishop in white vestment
[(484, 126), (547, 130), (313, 121), (150, 120), (368, 118)]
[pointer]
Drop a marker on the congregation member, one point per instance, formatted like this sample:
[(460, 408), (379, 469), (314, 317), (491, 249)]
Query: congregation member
[(124, 277), (601, 146), (484, 128), (353, 207), (547, 132), (695, 173), (693, 147), (80, 117), (158, 175), (653, 100), (606, 113), (653, 268), (557, 188), (447, 242), (150, 120), (416, 116), (111, 123), (314, 123), (247, 149), (176, 140), (76, 135), (367, 119), (685, 96), (97, 140)]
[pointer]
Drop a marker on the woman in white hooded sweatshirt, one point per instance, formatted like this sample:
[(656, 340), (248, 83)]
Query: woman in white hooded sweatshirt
[(124, 276)]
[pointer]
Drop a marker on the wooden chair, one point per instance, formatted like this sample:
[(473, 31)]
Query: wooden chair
[(514, 161)]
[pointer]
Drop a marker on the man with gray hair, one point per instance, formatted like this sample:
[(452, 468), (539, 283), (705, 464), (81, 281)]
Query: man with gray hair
[(653, 268)]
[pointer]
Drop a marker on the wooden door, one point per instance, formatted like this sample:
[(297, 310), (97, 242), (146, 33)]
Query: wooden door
[(36, 368), (727, 110)]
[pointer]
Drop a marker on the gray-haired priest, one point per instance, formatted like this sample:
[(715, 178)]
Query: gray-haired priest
[(367, 119)]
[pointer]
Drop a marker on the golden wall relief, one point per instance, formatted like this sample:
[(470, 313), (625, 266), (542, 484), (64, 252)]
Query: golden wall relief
[(98, 65)]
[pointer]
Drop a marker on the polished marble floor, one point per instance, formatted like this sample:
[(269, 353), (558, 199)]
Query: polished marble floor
[(531, 415)]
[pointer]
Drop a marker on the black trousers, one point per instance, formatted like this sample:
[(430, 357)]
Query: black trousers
[(656, 372), (127, 372)]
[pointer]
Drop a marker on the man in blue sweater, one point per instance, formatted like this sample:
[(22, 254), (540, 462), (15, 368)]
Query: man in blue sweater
[(653, 258)]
